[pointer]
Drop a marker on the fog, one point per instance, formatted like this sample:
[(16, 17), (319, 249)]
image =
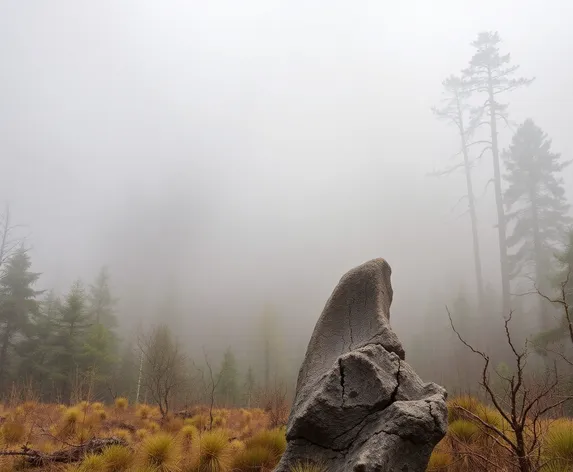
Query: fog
[(224, 155)]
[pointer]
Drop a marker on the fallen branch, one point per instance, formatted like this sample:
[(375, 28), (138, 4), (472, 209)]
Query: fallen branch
[(36, 458)]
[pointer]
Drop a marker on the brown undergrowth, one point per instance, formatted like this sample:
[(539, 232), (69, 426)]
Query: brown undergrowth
[(239, 440)]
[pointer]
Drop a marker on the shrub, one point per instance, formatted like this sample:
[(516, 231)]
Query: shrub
[(121, 403), (83, 406), (13, 432), (219, 421), (463, 430), (141, 434), (83, 435), (161, 451), (213, 452), (117, 458), (143, 411), (152, 426), (199, 421), (122, 434), (236, 446), (189, 433), (173, 425), (30, 405), (273, 440), (464, 402), (254, 458), (92, 463), (558, 443), (493, 417), (72, 415), (439, 461)]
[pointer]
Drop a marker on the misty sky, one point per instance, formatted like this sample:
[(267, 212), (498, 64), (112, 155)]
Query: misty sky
[(231, 153)]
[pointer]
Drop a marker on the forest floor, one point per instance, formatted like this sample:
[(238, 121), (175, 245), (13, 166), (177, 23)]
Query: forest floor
[(92, 437)]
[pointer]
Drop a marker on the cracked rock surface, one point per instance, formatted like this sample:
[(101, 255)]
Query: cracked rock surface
[(358, 405)]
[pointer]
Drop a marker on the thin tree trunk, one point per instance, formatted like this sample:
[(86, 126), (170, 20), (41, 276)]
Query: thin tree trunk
[(538, 249), (4, 356), (501, 224), (267, 364), (472, 209), (139, 378)]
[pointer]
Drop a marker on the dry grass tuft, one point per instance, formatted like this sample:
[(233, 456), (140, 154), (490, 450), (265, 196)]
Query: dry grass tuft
[(13, 432), (117, 458), (162, 452), (214, 452), (273, 440), (121, 403)]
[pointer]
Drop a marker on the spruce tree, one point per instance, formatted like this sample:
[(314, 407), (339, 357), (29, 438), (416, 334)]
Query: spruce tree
[(228, 388), (490, 74), (101, 301), (127, 372), (67, 347), (536, 204), (17, 304), (34, 348), (101, 343), (99, 354)]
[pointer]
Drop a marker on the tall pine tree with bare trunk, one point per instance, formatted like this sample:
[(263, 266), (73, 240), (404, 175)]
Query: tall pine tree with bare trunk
[(454, 110), (490, 74)]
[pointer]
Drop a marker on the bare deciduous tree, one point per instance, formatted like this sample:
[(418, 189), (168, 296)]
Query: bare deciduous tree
[(522, 403), (163, 367)]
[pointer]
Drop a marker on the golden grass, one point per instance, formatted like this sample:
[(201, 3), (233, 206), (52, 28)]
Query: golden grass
[(93, 463), (272, 440), (240, 440), (161, 451), (463, 431), (121, 403), (13, 432), (558, 444), (254, 458), (456, 407), (214, 452), (439, 461), (117, 458)]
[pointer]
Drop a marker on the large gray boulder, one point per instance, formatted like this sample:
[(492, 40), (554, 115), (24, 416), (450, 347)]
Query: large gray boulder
[(358, 405)]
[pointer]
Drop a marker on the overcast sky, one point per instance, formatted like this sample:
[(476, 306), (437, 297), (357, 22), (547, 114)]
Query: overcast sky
[(231, 153)]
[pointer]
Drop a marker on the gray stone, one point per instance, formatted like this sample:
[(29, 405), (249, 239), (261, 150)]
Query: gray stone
[(358, 405)]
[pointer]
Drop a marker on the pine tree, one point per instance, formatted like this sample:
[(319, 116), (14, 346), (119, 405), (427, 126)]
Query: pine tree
[(126, 372), (34, 348), (68, 341), (17, 304), (101, 343), (490, 73), (536, 204), (99, 354), (101, 302), (228, 380), (455, 110)]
